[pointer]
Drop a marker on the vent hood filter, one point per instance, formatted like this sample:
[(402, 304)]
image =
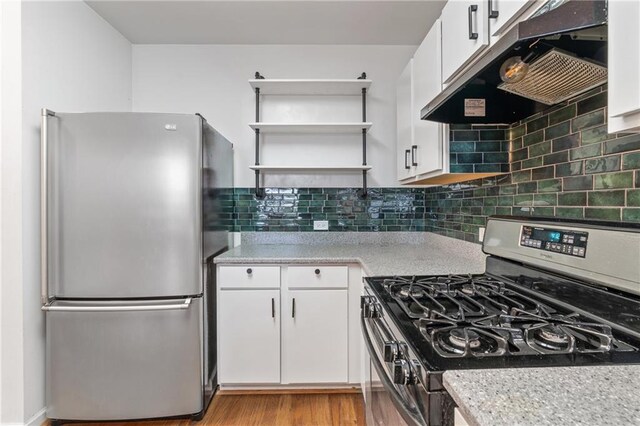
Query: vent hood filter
[(557, 76)]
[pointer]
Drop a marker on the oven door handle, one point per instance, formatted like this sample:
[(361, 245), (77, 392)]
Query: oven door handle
[(408, 411)]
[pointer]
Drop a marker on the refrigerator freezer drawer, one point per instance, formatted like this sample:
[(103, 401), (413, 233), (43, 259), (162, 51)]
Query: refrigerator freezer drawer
[(124, 360)]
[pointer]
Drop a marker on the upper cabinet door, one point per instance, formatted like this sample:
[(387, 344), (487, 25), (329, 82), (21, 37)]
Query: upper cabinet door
[(464, 34), (426, 151), (427, 67), (404, 127), (503, 13), (624, 66)]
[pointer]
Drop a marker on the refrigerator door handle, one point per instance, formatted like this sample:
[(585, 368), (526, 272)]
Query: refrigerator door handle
[(186, 303), (44, 261)]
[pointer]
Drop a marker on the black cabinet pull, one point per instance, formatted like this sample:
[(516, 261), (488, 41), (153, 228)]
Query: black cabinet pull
[(293, 308), (317, 271), (472, 9), (493, 14), (406, 159), (273, 307), (414, 154), (249, 271)]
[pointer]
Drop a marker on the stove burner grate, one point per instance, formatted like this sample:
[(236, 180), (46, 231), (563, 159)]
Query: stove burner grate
[(479, 316)]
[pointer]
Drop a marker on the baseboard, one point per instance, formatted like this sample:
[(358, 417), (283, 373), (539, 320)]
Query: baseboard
[(284, 390), (38, 418)]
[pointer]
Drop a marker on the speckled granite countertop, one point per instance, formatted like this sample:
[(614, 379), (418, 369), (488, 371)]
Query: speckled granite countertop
[(381, 254), (600, 396), (606, 395)]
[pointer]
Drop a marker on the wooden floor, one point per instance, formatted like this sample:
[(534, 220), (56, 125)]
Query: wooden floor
[(277, 410)]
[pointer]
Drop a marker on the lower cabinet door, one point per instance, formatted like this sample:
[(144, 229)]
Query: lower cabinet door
[(249, 330), (315, 328)]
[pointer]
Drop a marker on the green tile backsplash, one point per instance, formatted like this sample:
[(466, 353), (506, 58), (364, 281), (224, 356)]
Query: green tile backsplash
[(478, 149), (295, 209), (561, 162)]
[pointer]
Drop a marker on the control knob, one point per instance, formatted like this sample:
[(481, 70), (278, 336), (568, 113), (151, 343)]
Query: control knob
[(401, 372), (390, 351)]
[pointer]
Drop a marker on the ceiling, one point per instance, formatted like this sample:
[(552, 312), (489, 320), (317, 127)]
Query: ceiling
[(271, 22)]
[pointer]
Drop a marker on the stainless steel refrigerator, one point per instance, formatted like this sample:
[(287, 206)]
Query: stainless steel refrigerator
[(131, 220)]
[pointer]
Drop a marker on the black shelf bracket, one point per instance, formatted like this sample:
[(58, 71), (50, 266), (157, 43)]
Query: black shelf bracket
[(259, 190), (362, 192)]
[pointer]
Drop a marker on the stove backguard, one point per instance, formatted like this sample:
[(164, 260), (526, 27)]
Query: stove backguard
[(601, 253)]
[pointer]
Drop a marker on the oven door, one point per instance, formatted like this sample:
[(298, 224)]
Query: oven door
[(389, 401)]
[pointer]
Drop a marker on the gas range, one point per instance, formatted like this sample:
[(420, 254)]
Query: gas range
[(553, 294)]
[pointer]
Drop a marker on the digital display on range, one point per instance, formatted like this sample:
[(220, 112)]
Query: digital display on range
[(573, 243), (544, 235)]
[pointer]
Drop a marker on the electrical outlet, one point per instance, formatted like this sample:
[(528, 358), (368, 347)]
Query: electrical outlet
[(320, 225), (481, 234)]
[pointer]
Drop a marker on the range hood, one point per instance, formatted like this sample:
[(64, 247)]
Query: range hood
[(565, 49)]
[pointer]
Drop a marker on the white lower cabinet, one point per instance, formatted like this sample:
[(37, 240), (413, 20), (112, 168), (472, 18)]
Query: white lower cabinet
[(249, 336), (314, 337), (303, 329)]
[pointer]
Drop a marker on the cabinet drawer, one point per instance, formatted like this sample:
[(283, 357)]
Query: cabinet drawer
[(249, 276), (318, 277)]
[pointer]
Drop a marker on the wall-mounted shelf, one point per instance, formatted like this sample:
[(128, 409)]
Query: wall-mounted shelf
[(330, 87), (310, 127), (356, 86), (311, 168)]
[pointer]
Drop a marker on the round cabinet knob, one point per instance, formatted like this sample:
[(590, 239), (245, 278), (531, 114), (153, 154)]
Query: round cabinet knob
[(249, 271), (317, 271)]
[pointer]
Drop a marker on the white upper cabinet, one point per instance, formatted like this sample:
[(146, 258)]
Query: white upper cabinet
[(427, 67), (624, 66), (465, 34), (426, 149), (404, 129), (503, 13)]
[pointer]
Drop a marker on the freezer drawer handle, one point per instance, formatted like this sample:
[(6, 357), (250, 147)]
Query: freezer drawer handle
[(122, 308)]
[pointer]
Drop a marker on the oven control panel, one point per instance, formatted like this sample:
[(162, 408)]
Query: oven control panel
[(572, 243)]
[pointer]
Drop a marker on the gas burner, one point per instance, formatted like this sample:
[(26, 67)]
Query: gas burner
[(553, 338), (409, 290), (467, 289), (461, 342), (550, 338), (553, 334), (457, 338)]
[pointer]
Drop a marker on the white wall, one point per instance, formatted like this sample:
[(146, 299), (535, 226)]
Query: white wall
[(11, 331), (72, 60), (212, 80)]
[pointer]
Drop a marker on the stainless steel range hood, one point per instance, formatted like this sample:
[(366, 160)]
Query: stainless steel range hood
[(575, 32)]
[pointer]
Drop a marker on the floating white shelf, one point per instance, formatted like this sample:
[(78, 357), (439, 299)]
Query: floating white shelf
[(310, 127), (310, 87), (311, 168)]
